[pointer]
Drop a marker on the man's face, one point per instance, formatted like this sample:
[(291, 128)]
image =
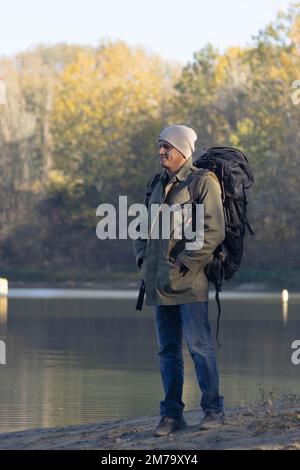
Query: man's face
[(170, 157)]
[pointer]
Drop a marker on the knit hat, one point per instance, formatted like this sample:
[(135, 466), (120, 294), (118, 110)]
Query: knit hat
[(183, 138)]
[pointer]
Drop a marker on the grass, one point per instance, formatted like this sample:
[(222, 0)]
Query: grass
[(272, 412)]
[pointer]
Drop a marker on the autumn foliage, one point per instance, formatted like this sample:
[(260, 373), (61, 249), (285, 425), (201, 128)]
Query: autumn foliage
[(80, 126)]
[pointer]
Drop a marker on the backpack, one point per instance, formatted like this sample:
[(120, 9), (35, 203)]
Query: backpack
[(235, 177), (232, 169)]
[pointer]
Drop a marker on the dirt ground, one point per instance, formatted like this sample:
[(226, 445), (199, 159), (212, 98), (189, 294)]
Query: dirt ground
[(265, 425)]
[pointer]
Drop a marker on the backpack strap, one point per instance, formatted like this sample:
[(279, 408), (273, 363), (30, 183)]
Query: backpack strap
[(193, 182), (149, 190), (214, 270), (150, 187)]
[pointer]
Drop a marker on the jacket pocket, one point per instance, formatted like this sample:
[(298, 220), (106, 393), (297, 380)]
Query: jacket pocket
[(172, 281)]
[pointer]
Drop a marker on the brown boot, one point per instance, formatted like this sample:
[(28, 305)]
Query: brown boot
[(168, 425), (212, 419)]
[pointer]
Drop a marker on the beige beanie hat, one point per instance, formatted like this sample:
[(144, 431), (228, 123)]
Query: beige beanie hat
[(183, 138)]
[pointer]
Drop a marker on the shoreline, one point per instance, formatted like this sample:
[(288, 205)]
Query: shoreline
[(263, 426), (133, 285), (132, 294), (257, 287), (130, 291)]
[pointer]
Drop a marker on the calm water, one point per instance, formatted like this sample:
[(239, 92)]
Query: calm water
[(78, 360)]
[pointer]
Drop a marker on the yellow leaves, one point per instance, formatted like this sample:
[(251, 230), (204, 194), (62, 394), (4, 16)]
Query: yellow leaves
[(244, 128), (294, 34), (37, 187), (115, 77), (229, 66), (56, 180), (234, 140), (103, 98)]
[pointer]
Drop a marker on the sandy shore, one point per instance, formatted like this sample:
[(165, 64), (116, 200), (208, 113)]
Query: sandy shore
[(265, 425)]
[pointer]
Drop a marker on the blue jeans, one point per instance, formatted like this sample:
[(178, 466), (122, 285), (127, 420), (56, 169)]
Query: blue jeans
[(191, 320)]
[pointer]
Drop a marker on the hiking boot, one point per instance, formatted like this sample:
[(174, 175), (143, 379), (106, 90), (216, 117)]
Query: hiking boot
[(168, 425), (213, 419)]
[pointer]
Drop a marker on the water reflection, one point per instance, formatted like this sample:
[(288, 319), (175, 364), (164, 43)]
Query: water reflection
[(285, 313), (81, 360), (285, 306), (3, 310)]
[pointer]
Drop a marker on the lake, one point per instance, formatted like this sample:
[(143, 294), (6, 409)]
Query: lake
[(74, 357)]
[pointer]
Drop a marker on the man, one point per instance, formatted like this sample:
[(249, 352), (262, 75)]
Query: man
[(176, 283)]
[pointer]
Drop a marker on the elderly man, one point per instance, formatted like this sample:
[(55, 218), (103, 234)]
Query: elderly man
[(176, 284)]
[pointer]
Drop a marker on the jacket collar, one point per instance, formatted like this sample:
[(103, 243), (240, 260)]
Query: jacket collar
[(181, 175)]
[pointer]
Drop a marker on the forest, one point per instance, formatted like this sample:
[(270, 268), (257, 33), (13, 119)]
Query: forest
[(79, 128)]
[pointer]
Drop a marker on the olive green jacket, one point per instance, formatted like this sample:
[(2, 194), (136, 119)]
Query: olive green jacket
[(166, 283)]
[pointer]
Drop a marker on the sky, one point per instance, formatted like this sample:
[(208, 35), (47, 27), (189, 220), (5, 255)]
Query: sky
[(174, 29)]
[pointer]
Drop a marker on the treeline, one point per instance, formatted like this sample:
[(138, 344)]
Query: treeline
[(80, 125)]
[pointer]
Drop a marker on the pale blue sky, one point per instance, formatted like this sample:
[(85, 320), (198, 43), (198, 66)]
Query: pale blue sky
[(174, 29)]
